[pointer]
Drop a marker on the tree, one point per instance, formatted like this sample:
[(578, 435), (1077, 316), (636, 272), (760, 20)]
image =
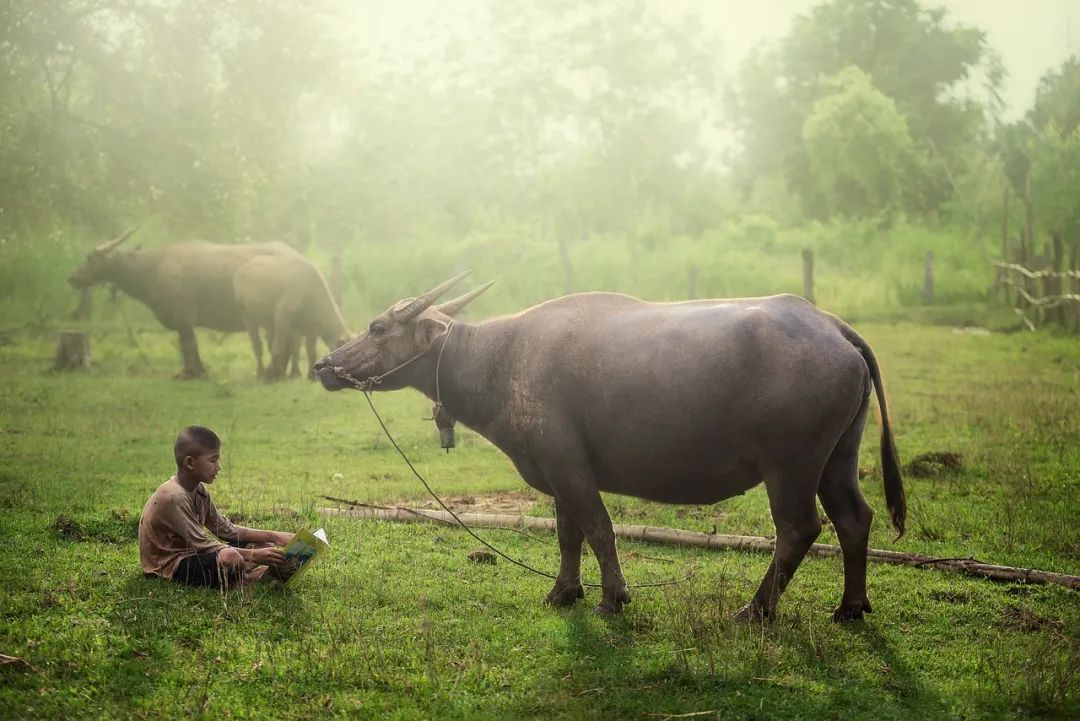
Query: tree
[(859, 148), (178, 109), (909, 54)]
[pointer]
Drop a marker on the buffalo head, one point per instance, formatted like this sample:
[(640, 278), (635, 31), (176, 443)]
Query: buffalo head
[(95, 267), (402, 333)]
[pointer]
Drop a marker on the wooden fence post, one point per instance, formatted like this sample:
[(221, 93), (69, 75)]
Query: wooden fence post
[(567, 265), (692, 275), (1002, 273), (1053, 283), (928, 279), (1028, 251), (1074, 282), (808, 274), (335, 277)]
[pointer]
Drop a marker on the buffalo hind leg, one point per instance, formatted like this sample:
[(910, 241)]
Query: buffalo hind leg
[(567, 589), (797, 527), (851, 517)]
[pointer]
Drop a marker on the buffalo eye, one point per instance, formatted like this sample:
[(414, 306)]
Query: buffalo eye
[(376, 328)]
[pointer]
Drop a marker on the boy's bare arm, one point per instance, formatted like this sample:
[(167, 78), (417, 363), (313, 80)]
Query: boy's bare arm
[(267, 556), (255, 535)]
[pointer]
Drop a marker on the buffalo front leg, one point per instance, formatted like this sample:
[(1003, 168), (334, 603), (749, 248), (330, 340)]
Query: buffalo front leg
[(257, 348), (794, 512), (283, 345), (568, 588), (189, 351), (575, 491)]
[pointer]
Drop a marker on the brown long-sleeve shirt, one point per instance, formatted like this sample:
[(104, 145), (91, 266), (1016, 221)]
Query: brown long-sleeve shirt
[(173, 526)]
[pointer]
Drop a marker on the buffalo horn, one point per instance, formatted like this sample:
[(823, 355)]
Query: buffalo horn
[(109, 245), (418, 305), (451, 307)]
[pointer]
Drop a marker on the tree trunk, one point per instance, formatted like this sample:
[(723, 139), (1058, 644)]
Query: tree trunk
[(928, 279), (73, 346), (83, 312)]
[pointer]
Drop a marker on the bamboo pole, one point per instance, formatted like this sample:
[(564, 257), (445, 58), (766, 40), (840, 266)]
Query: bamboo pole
[(679, 537)]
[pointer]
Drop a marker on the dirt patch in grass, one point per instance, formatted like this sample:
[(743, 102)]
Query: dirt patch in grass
[(1021, 619), (935, 463), (955, 597), (511, 502), (117, 526)]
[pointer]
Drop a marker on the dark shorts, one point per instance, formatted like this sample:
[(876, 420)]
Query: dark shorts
[(202, 569)]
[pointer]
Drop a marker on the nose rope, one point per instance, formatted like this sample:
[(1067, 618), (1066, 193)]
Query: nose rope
[(367, 386)]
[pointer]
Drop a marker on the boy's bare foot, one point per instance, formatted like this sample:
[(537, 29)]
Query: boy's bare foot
[(281, 573), (254, 574)]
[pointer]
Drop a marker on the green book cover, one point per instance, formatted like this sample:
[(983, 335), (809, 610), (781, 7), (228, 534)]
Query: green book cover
[(304, 548)]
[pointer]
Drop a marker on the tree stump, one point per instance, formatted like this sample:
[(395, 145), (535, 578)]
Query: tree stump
[(72, 350)]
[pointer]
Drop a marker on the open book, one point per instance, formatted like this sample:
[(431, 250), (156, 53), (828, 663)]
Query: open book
[(304, 548)]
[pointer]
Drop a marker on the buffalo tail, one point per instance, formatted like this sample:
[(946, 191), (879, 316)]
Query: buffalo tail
[(890, 464)]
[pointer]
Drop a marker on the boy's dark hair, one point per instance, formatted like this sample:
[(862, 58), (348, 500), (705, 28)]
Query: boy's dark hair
[(194, 441)]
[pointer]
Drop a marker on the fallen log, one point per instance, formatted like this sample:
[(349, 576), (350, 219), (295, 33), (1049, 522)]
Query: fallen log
[(679, 537)]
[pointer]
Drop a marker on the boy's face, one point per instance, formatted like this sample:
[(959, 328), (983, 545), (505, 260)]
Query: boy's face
[(204, 466)]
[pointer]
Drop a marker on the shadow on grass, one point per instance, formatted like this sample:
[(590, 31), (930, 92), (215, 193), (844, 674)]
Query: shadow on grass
[(170, 639), (750, 671)]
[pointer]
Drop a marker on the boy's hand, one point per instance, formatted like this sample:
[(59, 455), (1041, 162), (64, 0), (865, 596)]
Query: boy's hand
[(281, 538), (267, 556)]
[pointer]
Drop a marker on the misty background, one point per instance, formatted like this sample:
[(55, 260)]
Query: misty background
[(663, 149)]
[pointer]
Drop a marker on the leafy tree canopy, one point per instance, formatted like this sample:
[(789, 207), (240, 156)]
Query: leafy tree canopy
[(911, 56), (858, 146)]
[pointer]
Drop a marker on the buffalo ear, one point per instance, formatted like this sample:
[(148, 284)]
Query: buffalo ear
[(427, 330)]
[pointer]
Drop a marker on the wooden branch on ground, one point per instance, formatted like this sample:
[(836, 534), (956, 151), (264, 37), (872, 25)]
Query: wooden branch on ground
[(679, 537)]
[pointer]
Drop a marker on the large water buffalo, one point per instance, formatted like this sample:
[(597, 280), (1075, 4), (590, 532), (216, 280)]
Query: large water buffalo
[(288, 297), (675, 402), (186, 285)]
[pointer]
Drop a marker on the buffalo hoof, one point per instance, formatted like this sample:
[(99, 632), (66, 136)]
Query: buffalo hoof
[(754, 613), (613, 603), (565, 595), (190, 375), (852, 610)]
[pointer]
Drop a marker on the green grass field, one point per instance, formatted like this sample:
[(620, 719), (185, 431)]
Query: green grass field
[(396, 623)]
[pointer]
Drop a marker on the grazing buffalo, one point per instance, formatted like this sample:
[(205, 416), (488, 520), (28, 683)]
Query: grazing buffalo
[(288, 297), (186, 285), (674, 402)]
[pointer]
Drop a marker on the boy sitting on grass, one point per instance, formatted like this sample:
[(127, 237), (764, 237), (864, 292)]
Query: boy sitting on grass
[(172, 540)]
